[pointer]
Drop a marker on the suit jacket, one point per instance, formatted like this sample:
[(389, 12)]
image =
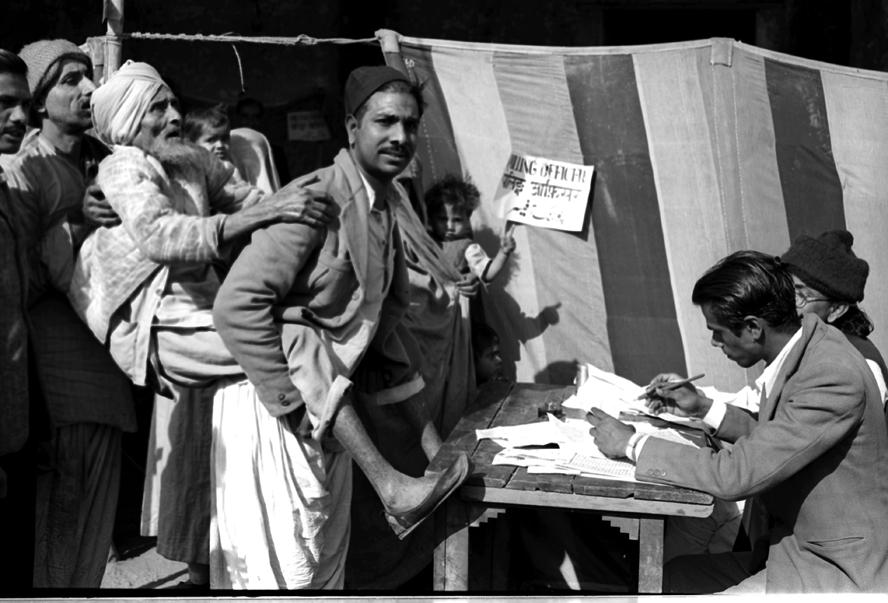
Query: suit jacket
[(295, 287), (815, 458)]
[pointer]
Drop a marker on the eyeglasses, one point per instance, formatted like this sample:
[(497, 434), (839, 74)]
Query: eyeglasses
[(803, 300)]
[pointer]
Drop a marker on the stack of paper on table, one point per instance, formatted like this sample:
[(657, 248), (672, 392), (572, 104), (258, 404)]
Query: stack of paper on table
[(576, 454), (614, 394)]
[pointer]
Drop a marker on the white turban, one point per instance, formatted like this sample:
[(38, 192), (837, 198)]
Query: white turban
[(119, 105)]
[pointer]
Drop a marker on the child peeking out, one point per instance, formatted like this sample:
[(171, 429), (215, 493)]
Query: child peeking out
[(211, 129), (485, 350), (449, 205)]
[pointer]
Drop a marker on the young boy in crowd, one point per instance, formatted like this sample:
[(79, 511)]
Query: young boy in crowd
[(211, 129), (485, 349), (449, 204)]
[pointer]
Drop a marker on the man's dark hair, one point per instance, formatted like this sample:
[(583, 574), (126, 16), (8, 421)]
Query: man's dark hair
[(748, 283), (453, 190), (483, 337), (198, 121), (249, 101), (12, 64), (414, 90)]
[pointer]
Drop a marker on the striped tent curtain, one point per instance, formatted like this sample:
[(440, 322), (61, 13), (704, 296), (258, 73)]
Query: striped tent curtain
[(700, 149)]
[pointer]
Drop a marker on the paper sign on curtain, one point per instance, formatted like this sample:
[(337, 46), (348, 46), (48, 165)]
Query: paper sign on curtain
[(543, 192)]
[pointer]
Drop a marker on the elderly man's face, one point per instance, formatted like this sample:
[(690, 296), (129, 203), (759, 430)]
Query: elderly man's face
[(384, 140), (15, 100), (161, 124), (67, 102)]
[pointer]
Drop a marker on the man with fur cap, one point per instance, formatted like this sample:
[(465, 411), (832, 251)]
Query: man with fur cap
[(89, 399)]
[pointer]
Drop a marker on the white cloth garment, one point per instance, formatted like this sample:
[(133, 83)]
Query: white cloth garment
[(281, 504)]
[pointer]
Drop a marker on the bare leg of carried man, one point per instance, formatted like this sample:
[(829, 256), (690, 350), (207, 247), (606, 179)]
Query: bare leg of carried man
[(407, 500)]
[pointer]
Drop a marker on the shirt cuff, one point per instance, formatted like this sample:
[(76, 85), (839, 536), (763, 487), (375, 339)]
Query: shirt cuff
[(716, 414), (636, 442)]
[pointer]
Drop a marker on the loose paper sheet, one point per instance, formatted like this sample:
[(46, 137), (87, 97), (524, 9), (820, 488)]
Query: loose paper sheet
[(614, 394), (576, 454)]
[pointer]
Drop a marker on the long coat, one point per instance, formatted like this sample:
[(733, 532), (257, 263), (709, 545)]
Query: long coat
[(815, 457)]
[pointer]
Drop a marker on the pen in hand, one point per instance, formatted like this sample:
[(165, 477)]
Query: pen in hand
[(668, 386)]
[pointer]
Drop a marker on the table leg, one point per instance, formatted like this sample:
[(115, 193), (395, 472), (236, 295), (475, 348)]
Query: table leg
[(451, 560), (488, 549), (650, 555)]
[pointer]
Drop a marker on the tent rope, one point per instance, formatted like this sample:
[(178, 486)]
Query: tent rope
[(301, 39)]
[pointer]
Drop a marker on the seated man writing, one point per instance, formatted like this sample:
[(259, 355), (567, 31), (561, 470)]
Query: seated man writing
[(812, 456), (300, 310)]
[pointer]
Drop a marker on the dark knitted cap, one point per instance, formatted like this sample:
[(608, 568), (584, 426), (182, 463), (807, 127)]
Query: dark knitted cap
[(828, 265), (364, 81)]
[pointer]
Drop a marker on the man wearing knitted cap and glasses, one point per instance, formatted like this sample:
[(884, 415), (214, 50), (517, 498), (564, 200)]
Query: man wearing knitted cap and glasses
[(88, 397), (829, 281), (314, 318), (146, 287)]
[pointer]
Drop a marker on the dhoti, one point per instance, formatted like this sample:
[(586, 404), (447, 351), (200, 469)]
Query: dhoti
[(176, 500), (281, 504)]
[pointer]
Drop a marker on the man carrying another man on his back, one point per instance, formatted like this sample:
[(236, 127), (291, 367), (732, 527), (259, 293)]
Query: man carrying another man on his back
[(300, 310), (813, 456), (147, 287)]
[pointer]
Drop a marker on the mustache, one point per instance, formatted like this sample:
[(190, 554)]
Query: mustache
[(14, 130), (399, 150)]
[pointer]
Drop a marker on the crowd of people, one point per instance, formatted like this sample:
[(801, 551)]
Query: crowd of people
[(141, 247)]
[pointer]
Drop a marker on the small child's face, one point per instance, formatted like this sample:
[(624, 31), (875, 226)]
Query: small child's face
[(450, 224), (489, 365), (217, 141)]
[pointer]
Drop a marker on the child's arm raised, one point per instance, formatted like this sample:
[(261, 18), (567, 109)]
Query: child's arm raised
[(507, 246)]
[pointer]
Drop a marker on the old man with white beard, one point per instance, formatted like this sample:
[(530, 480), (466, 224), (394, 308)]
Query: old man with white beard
[(146, 288)]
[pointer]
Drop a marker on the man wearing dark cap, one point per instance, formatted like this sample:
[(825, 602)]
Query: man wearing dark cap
[(89, 398), (829, 282), (314, 319)]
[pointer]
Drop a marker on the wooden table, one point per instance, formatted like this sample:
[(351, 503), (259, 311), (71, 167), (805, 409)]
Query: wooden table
[(638, 509)]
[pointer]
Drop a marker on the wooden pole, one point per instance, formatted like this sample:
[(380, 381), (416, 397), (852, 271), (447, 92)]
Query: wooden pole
[(113, 15), (97, 54), (391, 49)]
